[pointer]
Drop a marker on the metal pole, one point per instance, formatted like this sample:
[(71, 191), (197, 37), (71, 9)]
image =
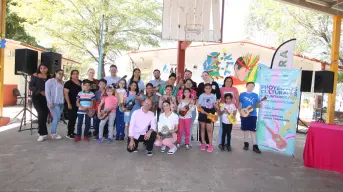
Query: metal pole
[(100, 48)]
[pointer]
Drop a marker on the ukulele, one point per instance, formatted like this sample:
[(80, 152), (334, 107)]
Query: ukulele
[(230, 116), (279, 141), (104, 113), (210, 116), (245, 112)]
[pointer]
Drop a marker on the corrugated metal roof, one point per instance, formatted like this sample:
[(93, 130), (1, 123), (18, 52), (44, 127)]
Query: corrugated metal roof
[(332, 7)]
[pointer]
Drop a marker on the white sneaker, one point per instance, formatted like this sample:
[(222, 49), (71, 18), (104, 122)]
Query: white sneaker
[(163, 149), (41, 138), (187, 147), (172, 151), (178, 146), (55, 136)]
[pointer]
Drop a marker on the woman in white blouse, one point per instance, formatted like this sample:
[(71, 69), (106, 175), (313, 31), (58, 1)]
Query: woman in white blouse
[(167, 128)]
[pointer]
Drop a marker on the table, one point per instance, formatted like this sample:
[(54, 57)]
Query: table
[(324, 147)]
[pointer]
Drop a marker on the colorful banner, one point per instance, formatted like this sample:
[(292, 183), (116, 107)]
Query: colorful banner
[(283, 56), (278, 116)]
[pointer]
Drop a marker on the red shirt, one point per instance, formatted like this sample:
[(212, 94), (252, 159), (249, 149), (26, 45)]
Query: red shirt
[(237, 81)]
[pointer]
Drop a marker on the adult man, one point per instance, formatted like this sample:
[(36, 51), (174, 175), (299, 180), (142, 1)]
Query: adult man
[(157, 81), (141, 119), (188, 75), (113, 78)]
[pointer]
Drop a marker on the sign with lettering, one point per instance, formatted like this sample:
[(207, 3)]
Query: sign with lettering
[(283, 56), (278, 115)]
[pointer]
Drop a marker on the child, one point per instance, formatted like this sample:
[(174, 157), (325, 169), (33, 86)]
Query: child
[(185, 121), (227, 108), (248, 124), (120, 123), (132, 101), (168, 97), (110, 103), (98, 96), (149, 89), (85, 101), (206, 102)]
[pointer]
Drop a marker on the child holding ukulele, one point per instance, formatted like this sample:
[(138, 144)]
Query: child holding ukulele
[(206, 108), (225, 110), (248, 124), (110, 103), (185, 109)]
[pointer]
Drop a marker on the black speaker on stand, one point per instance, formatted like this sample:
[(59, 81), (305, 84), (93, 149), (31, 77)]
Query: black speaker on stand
[(51, 60), (305, 86), (323, 83), (25, 64)]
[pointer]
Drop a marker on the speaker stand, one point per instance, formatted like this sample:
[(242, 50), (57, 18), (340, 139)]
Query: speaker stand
[(24, 110), (321, 120), (299, 117)]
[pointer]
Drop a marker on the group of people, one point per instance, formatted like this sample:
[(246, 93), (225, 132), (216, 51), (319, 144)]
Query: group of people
[(160, 113)]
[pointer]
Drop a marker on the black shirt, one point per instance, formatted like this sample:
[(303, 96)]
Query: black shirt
[(37, 85), (215, 89), (74, 89)]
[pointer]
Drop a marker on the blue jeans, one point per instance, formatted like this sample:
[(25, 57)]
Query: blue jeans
[(79, 125), (56, 114)]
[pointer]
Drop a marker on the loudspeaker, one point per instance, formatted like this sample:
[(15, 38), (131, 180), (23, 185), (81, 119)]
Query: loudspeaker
[(25, 62), (306, 81), (51, 60), (323, 81)]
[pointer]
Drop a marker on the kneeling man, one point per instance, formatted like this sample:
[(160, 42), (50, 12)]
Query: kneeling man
[(139, 131)]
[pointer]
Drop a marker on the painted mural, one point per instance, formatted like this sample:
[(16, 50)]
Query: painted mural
[(221, 64)]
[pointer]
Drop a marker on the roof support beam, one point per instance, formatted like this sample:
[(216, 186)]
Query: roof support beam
[(307, 4)]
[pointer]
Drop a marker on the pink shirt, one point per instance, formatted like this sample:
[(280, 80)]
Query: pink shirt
[(110, 102), (139, 123), (232, 90)]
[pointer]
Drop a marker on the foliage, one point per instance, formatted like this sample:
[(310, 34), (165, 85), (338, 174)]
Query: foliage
[(340, 77), (313, 30), (15, 29), (75, 25)]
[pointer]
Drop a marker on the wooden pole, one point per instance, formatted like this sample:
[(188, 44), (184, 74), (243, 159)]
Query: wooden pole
[(181, 57), (2, 52), (3, 120), (336, 34)]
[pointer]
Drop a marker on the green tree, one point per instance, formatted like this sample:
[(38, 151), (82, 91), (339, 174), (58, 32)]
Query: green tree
[(313, 30), (340, 77), (75, 25), (15, 29)]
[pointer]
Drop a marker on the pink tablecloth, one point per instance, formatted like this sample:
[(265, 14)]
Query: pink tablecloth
[(324, 147)]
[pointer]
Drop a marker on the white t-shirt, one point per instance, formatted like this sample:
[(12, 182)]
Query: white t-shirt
[(173, 120), (230, 108)]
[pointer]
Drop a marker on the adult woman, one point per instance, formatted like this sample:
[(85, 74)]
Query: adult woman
[(167, 128), (71, 89), (215, 90), (94, 82), (37, 86), (136, 76), (227, 88), (55, 100)]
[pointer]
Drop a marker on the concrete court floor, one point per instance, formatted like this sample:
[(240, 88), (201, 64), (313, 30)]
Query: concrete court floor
[(64, 166)]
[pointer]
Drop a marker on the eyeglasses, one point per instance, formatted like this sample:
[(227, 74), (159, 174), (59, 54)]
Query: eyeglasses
[(147, 103)]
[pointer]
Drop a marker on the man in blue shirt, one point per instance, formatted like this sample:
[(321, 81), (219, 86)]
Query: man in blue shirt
[(248, 124)]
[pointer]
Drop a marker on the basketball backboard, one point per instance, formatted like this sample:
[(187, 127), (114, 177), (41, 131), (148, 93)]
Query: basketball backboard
[(192, 20)]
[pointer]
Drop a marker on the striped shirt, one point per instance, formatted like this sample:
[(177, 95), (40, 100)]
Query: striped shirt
[(54, 91), (112, 80), (85, 99)]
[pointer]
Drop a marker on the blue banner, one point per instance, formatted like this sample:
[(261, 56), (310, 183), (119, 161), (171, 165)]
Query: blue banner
[(278, 115)]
